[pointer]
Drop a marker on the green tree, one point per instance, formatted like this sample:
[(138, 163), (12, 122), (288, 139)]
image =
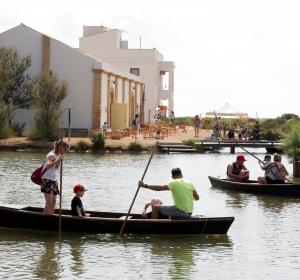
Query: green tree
[(15, 84), (48, 94)]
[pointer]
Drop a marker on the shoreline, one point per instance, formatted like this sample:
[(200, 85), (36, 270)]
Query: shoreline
[(23, 144)]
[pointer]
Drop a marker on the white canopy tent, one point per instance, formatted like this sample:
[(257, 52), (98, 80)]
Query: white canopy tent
[(226, 111)]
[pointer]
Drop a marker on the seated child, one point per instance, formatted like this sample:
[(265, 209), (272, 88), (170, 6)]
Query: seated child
[(154, 202), (76, 204)]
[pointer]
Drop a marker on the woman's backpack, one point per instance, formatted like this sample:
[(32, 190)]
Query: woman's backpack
[(36, 176), (280, 173)]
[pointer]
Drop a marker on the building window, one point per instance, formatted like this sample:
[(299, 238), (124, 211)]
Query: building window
[(135, 71)]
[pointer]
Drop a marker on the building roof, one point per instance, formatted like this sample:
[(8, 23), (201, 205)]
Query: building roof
[(98, 63)]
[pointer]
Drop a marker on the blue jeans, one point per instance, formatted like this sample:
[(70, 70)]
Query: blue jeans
[(174, 212)]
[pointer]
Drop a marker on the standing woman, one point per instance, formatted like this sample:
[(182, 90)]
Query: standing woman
[(197, 125), (49, 184)]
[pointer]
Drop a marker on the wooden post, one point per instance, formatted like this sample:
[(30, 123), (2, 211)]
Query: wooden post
[(232, 149), (296, 169)]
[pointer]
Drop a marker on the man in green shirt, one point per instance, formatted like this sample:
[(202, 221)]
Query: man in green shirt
[(183, 193)]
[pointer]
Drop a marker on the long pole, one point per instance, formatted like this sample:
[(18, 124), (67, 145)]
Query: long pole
[(69, 124), (136, 193), (262, 161), (61, 187)]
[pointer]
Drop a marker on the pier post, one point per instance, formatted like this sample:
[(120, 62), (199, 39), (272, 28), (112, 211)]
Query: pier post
[(232, 150)]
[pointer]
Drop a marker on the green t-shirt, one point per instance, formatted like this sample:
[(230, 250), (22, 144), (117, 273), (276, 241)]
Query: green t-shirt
[(182, 192)]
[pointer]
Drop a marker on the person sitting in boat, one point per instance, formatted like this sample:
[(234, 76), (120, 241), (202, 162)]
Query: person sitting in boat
[(237, 171), (76, 204), (277, 171), (183, 193), (154, 202), (265, 165)]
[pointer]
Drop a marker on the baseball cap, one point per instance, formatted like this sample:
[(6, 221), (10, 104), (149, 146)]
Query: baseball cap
[(240, 157), (79, 188)]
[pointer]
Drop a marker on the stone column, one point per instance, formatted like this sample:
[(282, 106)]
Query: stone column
[(46, 53), (123, 90), (97, 88), (108, 99)]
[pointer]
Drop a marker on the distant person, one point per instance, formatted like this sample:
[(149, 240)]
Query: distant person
[(265, 165), (230, 134), (154, 202), (183, 193), (197, 126), (49, 185), (245, 134), (237, 171), (135, 125), (172, 119), (76, 204), (104, 128), (256, 131), (277, 171)]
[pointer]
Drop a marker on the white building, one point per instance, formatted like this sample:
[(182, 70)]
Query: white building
[(98, 92), (157, 74)]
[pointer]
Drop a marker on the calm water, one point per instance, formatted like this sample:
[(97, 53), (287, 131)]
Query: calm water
[(263, 242)]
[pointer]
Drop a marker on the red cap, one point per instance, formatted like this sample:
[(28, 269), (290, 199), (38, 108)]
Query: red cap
[(79, 188), (240, 157)]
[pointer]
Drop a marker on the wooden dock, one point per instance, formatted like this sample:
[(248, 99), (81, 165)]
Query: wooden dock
[(210, 145)]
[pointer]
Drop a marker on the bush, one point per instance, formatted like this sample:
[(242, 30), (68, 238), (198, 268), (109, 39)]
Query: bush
[(5, 132), (18, 128), (135, 147), (189, 142), (34, 134), (98, 141), (81, 146), (197, 147), (292, 143), (271, 134)]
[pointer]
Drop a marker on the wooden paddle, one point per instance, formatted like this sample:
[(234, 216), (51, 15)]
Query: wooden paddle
[(136, 193), (262, 161)]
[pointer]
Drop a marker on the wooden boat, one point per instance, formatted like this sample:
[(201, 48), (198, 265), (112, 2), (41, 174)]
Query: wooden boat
[(16, 216), (286, 189)]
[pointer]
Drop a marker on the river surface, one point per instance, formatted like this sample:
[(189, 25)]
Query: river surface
[(262, 243)]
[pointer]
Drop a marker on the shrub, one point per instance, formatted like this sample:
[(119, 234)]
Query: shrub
[(292, 143), (5, 132), (18, 128), (135, 147), (271, 134), (34, 134), (189, 142), (81, 146), (98, 141)]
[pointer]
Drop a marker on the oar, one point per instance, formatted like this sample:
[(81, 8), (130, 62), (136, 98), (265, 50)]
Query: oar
[(136, 193), (261, 161)]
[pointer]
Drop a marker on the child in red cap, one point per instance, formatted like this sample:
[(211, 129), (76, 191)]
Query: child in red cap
[(76, 204)]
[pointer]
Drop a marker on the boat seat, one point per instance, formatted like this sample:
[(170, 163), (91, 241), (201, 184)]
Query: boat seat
[(124, 217)]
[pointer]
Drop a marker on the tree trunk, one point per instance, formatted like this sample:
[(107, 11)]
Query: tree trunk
[(296, 169)]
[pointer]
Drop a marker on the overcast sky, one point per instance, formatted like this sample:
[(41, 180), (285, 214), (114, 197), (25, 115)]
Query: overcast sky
[(246, 53)]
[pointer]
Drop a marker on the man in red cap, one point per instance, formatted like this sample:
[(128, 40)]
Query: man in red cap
[(237, 171)]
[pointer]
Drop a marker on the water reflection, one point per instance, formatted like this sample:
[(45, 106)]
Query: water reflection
[(48, 265)]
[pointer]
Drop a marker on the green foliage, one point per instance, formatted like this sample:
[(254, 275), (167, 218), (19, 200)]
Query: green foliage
[(193, 144), (5, 132), (34, 134), (48, 94), (18, 128), (189, 142), (15, 84), (135, 147), (98, 141), (292, 142), (3, 117), (271, 134), (82, 146)]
